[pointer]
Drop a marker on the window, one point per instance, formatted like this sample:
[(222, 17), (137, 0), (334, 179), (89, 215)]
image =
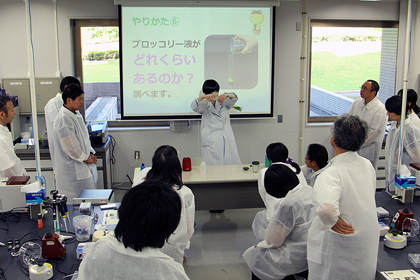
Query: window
[(97, 66), (343, 55)]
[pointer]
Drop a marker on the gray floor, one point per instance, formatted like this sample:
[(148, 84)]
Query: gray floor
[(218, 243)]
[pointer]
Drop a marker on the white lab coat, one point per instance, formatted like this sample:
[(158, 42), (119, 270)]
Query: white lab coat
[(414, 119), (283, 252), (180, 239), (109, 259), (141, 176), (72, 148), (218, 146), (51, 110), (346, 189), (10, 164), (262, 218), (411, 149), (375, 114), (310, 175)]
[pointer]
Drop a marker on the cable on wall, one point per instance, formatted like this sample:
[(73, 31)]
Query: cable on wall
[(58, 73), (31, 60)]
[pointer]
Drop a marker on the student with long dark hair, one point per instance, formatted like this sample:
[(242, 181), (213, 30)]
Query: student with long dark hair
[(411, 144), (148, 215), (413, 110), (167, 168)]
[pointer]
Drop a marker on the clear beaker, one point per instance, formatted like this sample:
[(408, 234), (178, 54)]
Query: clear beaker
[(82, 227), (197, 163), (237, 45)]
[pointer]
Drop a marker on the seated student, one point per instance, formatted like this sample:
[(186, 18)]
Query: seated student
[(167, 168), (277, 153), (316, 160), (411, 144), (149, 214), (282, 253)]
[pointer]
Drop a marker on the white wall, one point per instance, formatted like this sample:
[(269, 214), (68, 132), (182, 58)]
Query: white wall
[(252, 136)]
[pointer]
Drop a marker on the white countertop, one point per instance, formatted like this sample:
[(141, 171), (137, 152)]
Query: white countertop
[(217, 174)]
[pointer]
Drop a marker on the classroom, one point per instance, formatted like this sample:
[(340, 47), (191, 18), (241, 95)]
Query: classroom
[(54, 55)]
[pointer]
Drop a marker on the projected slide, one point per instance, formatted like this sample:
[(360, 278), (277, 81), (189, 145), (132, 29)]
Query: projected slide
[(167, 54)]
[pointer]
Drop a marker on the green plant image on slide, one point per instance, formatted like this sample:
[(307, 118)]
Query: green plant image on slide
[(335, 73)]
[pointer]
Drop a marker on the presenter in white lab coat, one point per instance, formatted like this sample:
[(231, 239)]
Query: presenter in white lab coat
[(10, 164), (277, 153), (218, 146), (372, 111), (344, 236), (75, 166), (282, 253), (411, 144), (148, 215), (51, 110), (167, 168)]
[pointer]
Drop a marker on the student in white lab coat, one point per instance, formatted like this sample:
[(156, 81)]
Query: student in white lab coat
[(282, 253), (75, 166), (411, 144), (277, 153), (51, 110), (316, 160), (148, 215), (167, 168), (218, 146), (9, 164), (372, 111), (344, 236), (414, 110)]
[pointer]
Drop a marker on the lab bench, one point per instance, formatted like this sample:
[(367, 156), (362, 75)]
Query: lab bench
[(103, 154), (222, 187), (392, 259)]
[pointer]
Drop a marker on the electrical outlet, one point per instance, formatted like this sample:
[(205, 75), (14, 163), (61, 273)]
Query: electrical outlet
[(136, 154)]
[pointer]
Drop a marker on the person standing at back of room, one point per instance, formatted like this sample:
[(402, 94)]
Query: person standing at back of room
[(51, 110), (414, 110), (371, 110), (10, 164), (343, 238), (410, 147), (218, 145), (75, 168)]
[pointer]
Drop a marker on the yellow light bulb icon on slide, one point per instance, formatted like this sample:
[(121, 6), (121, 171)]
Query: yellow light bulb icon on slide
[(256, 18)]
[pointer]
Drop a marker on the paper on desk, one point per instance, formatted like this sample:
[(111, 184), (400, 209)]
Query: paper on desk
[(33, 187), (400, 274)]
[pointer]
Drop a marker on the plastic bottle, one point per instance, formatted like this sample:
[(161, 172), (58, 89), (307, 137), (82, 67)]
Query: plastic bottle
[(203, 167), (267, 162), (40, 223)]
